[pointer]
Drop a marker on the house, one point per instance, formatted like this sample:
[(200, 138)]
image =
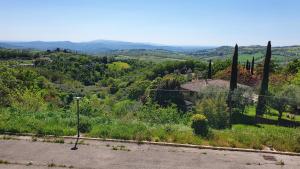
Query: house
[(191, 89), (198, 85)]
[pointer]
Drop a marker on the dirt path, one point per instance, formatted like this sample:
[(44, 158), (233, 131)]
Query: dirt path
[(35, 154)]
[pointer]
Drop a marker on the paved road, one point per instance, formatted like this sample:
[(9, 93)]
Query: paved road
[(32, 154)]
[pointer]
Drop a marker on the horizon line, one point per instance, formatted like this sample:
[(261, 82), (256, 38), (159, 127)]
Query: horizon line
[(137, 42)]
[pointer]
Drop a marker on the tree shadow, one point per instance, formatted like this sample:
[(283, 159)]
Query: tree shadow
[(238, 118)]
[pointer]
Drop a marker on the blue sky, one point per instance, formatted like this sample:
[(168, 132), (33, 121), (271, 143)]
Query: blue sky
[(173, 22)]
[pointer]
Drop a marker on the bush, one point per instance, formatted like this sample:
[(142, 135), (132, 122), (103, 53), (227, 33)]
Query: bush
[(126, 106), (137, 89), (155, 114), (88, 106), (215, 110), (200, 124), (163, 93), (29, 101), (241, 98), (84, 124)]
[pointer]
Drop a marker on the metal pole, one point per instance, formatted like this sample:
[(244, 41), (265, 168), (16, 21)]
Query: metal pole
[(78, 134), (78, 118)]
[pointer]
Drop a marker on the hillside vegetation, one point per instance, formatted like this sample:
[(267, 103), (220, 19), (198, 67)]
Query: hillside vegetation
[(129, 98)]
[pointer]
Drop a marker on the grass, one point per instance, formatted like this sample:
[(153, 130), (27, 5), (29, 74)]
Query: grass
[(44, 123), (64, 123), (120, 147), (257, 137), (141, 131), (4, 162), (273, 114), (5, 137)]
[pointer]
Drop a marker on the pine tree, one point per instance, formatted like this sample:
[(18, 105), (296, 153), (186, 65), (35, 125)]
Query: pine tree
[(252, 66), (261, 105), (209, 72), (234, 69)]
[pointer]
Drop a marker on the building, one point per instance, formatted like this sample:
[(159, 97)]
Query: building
[(191, 89)]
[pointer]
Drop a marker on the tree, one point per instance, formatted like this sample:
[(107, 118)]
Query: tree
[(209, 70), (104, 60), (279, 102), (166, 91), (248, 65), (284, 99), (137, 89), (220, 65), (233, 79), (261, 105), (252, 66), (234, 69), (293, 67)]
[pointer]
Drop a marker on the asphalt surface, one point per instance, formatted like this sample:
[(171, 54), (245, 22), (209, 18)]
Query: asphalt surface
[(44, 153)]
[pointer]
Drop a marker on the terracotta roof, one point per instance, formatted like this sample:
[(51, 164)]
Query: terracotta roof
[(198, 85)]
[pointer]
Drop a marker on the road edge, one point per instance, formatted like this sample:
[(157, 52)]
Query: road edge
[(159, 144)]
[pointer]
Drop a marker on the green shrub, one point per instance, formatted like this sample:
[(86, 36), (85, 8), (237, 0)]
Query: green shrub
[(200, 124), (88, 106), (215, 110), (29, 102), (137, 89), (126, 106), (241, 98), (118, 66), (84, 125), (162, 94), (155, 114)]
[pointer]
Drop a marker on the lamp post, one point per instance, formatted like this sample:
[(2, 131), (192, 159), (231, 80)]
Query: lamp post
[(78, 134)]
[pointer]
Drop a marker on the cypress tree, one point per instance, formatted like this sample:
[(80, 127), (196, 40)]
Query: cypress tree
[(234, 69), (261, 105), (247, 65), (209, 72), (252, 66), (233, 80)]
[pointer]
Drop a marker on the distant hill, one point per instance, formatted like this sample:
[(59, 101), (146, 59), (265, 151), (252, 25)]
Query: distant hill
[(226, 50), (156, 52), (279, 54), (95, 47)]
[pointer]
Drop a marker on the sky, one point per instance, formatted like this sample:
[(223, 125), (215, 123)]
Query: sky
[(172, 22)]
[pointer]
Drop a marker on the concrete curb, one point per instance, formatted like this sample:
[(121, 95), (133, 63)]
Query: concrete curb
[(160, 144)]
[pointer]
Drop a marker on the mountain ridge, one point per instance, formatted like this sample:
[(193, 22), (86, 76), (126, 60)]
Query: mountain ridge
[(96, 46)]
